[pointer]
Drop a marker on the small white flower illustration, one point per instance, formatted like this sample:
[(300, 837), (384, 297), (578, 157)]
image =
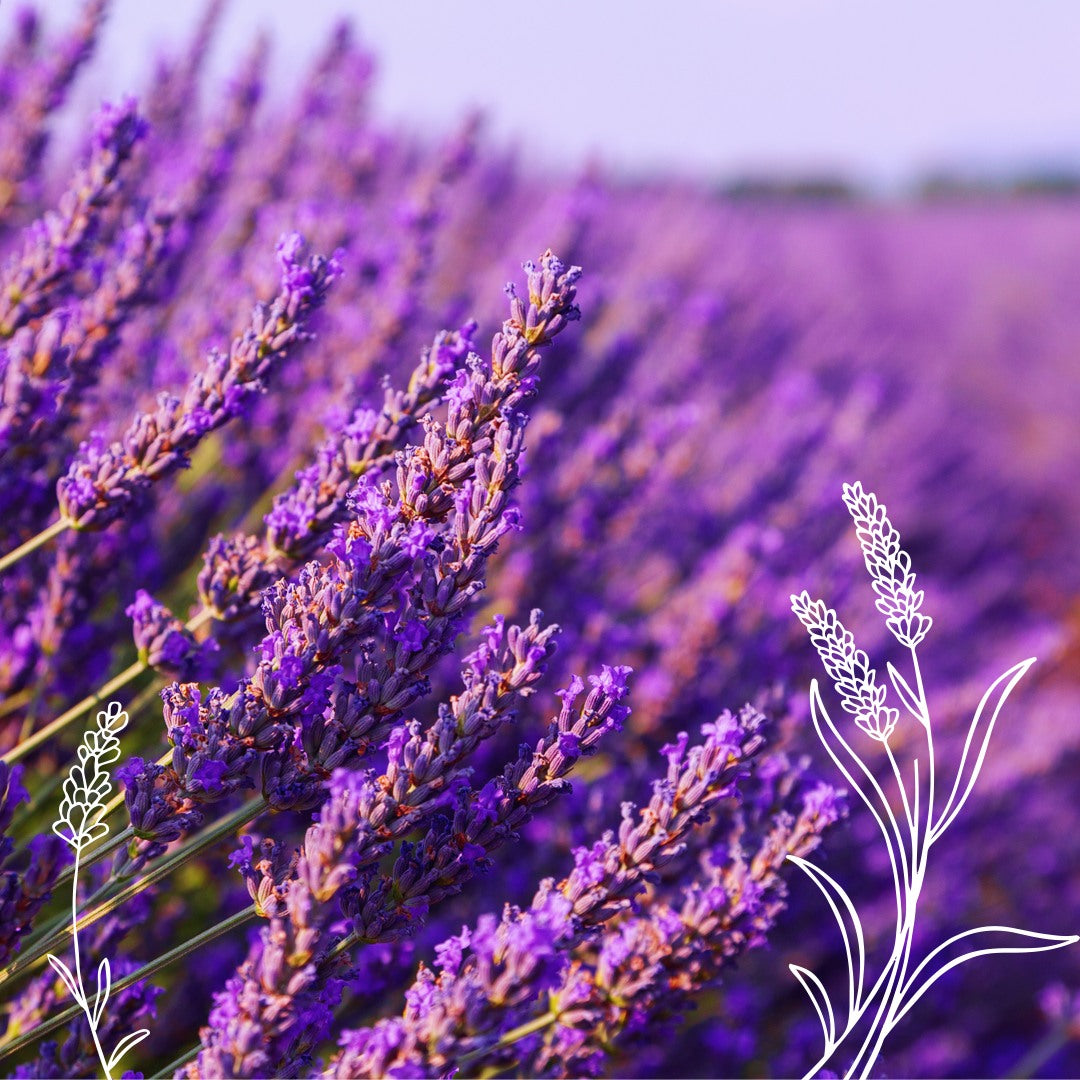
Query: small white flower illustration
[(86, 792)]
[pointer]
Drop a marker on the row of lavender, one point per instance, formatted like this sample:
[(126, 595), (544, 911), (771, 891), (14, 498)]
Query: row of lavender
[(280, 555)]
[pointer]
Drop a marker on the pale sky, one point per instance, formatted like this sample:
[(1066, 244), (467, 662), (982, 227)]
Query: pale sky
[(879, 90)]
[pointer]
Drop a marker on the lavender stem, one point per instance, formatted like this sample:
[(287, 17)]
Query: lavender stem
[(31, 545)]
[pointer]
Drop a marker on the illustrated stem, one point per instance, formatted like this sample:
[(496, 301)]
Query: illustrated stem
[(920, 849), (927, 837), (107, 904), (894, 991), (912, 824), (152, 967), (99, 853), (85, 1003)]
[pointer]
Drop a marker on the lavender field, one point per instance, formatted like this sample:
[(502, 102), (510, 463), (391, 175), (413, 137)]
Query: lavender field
[(436, 521)]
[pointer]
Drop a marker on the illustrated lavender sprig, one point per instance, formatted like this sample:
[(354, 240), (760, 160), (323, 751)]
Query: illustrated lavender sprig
[(889, 567), (898, 987), (79, 824)]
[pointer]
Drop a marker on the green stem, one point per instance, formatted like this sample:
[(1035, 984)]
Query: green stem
[(75, 712), (240, 817), (118, 682), (1041, 1052), (16, 701), (43, 537), (148, 969), (175, 1066), (515, 1035)]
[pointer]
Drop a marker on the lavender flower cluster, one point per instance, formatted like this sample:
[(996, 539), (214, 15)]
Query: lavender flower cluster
[(468, 726)]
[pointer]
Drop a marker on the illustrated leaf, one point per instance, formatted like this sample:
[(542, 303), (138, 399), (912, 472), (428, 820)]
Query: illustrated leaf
[(112, 719), (981, 729), (96, 791), (846, 916), (62, 970), (128, 1042), (66, 833), (906, 694), (880, 807), (108, 755), (104, 985), (819, 999), (1047, 943), (92, 833)]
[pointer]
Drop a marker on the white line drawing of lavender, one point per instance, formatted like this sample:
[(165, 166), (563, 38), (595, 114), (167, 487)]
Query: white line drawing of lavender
[(922, 824), (86, 791)]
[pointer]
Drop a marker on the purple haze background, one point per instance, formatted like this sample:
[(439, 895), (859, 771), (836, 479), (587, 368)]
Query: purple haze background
[(882, 92)]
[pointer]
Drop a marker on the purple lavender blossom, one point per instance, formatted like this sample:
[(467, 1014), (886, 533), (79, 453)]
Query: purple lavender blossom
[(104, 481), (281, 999), (162, 640), (56, 244), (514, 963), (24, 892), (45, 85)]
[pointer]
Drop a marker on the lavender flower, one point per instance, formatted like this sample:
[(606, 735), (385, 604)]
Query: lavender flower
[(163, 641), (104, 481), (57, 243), (281, 997), (476, 1005), (11, 794), (24, 892), (44, 88)]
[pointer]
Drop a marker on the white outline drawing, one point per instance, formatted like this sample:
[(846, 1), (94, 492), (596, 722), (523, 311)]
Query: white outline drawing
[(855, 682), (86, 791)]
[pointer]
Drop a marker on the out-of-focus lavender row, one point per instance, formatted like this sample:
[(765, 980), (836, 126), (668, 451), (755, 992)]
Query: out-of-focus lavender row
[(268, 498)]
